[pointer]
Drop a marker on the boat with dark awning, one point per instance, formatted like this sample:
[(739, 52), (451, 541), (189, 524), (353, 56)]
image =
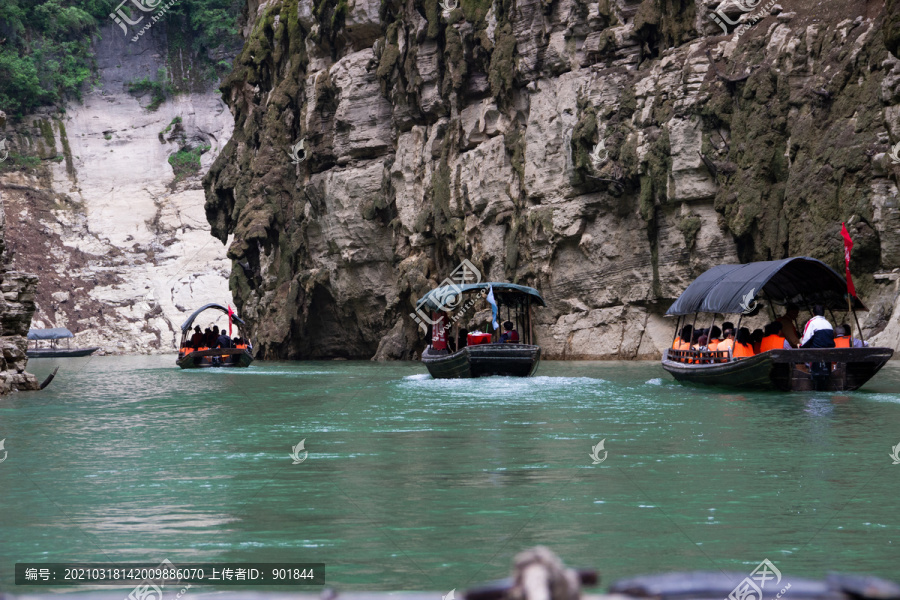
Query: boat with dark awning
[(743, 290), (456, 352), (201, 356), (53, 335)]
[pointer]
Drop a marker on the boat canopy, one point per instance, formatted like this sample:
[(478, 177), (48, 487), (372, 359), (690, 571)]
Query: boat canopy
[(728, 289), (56, 333), (507, 294), (187, 324)]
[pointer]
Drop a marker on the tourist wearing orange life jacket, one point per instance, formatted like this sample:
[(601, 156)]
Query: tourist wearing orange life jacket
[(713, 338), (684, 341), (772, 340), (841, 338), (756, 340), (743, 347)]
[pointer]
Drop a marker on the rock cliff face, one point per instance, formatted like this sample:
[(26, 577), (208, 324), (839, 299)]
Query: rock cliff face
[(16, 309), (605, 152), (97, 208)]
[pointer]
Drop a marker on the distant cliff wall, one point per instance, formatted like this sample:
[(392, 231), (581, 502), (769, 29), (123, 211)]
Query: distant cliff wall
[(16, 309), (475, 133), (104, 201)]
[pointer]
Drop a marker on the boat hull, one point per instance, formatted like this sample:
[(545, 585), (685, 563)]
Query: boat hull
[(484, 360), (60, 352), (786, 370), (218, 358)]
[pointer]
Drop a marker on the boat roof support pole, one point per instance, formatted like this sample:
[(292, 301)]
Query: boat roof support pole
[(855, 318), (710, 329), (530, 329), (675, 337)]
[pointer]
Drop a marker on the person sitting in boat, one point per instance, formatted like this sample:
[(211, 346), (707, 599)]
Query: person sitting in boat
[(714, 334), (208, 338), (818, 332), (684, 341), (462, 340), (702, 342), (196, 339), (727, 342), (756, 340), (743, 346), (223, 341), (510, 336), (788, 329), (841, 339), (772, 340)]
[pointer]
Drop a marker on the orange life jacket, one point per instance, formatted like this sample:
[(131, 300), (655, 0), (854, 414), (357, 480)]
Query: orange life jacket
[(724, 345), (675, 343), (712, 345), (742, 350), (683, 346), (842, 341), (772, 342)]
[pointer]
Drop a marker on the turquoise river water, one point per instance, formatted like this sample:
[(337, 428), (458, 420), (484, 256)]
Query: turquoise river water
[(416, 484)]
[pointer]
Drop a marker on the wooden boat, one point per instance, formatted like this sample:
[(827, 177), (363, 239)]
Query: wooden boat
[(54, 351), (734, 289), (201, 358), (484, 358)]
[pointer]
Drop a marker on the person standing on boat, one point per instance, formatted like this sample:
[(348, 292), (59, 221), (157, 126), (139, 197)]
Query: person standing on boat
[(510, 336), (197, 339), (818, 332), (788, 328)]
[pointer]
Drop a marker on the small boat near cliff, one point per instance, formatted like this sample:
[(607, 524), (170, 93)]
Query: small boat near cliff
[(202, 357), (734, 289), (477, 354), (52, 336)]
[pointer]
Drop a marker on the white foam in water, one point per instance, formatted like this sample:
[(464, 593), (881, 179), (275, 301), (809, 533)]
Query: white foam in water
[(655, 381), (417, 377)]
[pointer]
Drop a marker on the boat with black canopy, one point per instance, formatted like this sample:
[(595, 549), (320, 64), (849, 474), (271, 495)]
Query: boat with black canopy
[(742, 290), (478, 354), (53, 335), (203, 356)]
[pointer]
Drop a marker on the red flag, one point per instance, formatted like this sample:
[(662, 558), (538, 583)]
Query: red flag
[(230, 312), (848, 246)]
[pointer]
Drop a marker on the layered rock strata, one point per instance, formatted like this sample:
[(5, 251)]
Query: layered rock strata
[(16, 309), (603, 152)]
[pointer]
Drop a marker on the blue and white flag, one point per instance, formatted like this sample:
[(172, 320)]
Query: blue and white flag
[(493, 303)]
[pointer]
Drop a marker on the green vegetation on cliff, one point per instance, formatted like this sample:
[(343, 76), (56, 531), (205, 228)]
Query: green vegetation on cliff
[(45, 45)]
